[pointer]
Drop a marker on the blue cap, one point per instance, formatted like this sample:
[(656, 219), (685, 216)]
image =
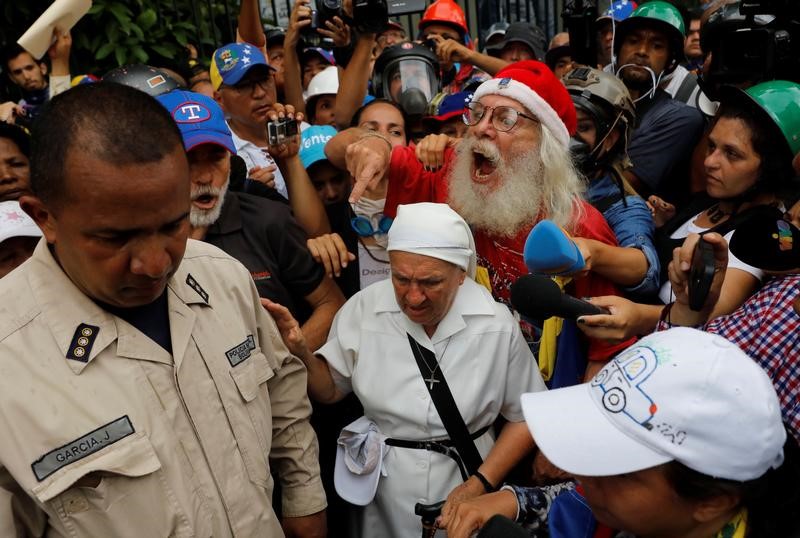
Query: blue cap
[(619, 10), (199, 118), (312, 144), (232, 62), (451, 106), (325, 54)]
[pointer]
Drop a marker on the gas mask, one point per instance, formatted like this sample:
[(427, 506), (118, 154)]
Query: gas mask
[(407, 74)]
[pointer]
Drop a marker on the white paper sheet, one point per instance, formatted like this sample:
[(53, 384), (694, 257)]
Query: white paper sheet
[(62, 15)]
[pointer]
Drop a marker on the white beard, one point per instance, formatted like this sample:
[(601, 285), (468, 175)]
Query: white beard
[(515, 202), (203, 218)]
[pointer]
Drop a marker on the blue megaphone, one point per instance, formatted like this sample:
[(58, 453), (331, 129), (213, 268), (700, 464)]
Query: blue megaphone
[(549, 250)]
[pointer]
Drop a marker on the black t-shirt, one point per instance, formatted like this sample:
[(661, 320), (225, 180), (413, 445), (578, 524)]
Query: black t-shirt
[(265, 238), (151, 319), (339, 215), (661, 146)]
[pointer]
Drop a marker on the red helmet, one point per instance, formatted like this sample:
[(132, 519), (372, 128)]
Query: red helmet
[(445, 12)]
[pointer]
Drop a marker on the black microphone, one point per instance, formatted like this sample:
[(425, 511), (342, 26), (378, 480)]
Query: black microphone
[(538, 297), (501, 527)]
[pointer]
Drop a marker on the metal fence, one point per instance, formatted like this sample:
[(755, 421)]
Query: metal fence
[(480, 14)]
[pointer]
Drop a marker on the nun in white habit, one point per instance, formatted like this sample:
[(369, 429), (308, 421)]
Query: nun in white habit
[(478, 348)]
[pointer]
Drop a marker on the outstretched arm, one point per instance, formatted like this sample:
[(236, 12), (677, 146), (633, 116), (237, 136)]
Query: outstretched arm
[(320, 381), (450, 51), (292, 75), (354, 80), (250, 29), (365, 154)]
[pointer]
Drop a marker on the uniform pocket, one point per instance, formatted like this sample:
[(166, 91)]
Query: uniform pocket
[(250, 378), (119, 491)]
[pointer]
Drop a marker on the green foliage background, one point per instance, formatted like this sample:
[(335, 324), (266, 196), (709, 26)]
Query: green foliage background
[(119, 32)]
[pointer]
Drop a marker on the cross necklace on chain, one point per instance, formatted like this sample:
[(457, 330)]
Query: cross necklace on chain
[(430, 381)]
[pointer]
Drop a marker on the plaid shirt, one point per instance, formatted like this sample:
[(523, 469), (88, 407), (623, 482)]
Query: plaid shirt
[(767, 328)]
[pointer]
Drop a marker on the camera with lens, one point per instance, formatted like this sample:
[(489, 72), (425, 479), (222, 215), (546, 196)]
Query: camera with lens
[(278, 132), (750, 42), (369, 16), (321, 12)]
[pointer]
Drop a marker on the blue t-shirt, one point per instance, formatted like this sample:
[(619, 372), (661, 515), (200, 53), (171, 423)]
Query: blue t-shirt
[(662, 144)]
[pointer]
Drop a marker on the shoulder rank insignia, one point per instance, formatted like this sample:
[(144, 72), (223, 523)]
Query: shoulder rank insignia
[(82, 342), (197, 287)]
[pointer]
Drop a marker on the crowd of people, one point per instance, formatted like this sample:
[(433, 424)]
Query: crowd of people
[(279, 291)]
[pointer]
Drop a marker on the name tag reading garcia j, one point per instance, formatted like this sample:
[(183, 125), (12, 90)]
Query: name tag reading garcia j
[(82, 447)]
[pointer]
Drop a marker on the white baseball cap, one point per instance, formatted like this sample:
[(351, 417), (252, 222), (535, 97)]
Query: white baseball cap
[(14, 222), (680, 394)]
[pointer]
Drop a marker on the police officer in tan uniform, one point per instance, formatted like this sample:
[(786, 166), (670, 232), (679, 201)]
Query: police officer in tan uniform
[(143, 389)]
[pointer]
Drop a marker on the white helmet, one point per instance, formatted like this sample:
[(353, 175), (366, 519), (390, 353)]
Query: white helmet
[(325, 82)]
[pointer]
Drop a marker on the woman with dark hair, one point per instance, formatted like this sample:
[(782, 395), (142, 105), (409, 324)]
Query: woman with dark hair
[(748, 166), (748, 171), (355, 254), (665, 441)]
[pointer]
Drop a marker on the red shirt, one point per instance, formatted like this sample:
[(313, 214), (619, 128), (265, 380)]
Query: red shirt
[(409, 183)]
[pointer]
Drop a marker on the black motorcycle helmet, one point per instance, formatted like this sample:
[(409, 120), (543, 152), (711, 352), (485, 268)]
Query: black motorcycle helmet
[(148, 79)]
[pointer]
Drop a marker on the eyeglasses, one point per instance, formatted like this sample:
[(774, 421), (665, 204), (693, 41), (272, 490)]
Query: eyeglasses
[(363, 226), (247, 87), (504, 118)]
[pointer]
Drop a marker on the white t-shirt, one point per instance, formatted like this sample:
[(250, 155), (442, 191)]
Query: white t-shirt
[(255, 156), (373, 264), (665, 294)]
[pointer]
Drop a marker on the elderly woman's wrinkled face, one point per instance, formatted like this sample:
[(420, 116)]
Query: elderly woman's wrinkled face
[(425, 287)]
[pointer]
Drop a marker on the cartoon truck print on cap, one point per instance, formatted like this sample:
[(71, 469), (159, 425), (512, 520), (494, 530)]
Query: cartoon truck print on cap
[(623, 385)]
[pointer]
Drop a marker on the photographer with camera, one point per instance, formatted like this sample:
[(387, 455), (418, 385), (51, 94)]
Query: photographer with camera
[(244, 87), (301, 66), (443, 29)]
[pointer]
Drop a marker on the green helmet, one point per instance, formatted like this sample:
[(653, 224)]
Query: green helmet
[(661, 15), (778, 104)]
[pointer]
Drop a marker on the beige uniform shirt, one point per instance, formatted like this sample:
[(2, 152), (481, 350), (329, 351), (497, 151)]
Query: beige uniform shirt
[(104, 433)]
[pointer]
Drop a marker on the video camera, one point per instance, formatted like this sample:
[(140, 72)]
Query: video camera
[(580, 20), (751, 41), (369, 16)]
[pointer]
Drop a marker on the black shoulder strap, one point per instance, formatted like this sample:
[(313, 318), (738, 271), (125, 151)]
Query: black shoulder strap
[(446, 406), (603, 204)]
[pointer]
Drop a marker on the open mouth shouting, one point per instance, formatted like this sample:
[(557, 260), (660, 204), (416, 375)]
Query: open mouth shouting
[(485, 160), (205, 200)]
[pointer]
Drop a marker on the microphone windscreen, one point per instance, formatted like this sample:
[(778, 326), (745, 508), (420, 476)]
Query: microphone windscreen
[(768, 242), (535, 296), (548, 249), (538, 297)]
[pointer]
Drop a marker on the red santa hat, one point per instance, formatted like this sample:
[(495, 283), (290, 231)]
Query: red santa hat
[(535, 86)]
